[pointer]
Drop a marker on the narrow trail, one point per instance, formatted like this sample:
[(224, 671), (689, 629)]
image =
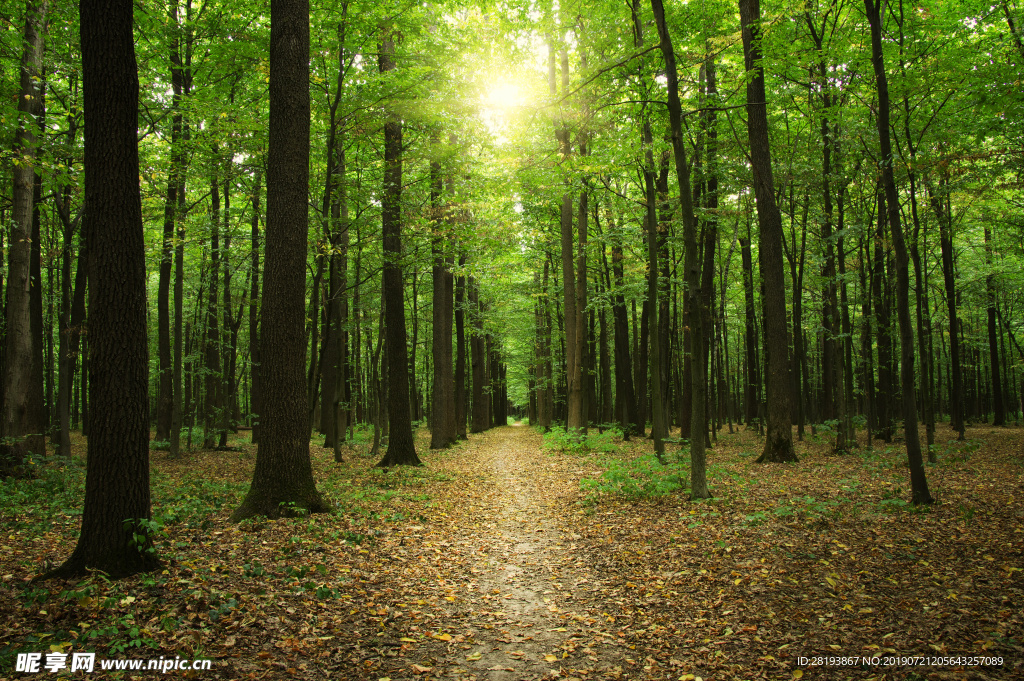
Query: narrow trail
[(514, 619)]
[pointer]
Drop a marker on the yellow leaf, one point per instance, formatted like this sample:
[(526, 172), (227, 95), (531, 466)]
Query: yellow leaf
[(830, 581), (406, 639), (444, 637), (686, 677), (550, 658), (473, 657), (738, 580), (798, 673)]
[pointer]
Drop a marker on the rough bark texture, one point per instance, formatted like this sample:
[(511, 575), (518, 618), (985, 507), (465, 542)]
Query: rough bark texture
[(401, 449), (778, 445), (282, 481), (112, 537), (918, 481)]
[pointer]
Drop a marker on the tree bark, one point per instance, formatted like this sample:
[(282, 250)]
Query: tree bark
[(478, 358), (401, 448), (212, 380), (460, 351), (695, 303), (778, 446), (998, 410), (115, 535), (442, 425), (19, 427), (918, 481), (282, 481)]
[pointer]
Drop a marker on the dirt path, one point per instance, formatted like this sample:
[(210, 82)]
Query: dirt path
[(514, 617)]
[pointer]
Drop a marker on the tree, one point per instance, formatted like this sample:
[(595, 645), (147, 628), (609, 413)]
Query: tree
[(442, 424), (918, 481), (116, 513), (778, 445), (694, 299), (18, 422), (282, 482), (401, 448)]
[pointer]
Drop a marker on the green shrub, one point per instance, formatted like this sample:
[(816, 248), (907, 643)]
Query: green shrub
[(643, 477)]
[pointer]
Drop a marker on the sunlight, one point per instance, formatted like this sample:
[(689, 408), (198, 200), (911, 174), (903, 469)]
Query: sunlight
[(504, 96)]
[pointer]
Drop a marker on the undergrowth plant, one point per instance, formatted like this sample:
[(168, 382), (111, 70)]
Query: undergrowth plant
[(638, 478)]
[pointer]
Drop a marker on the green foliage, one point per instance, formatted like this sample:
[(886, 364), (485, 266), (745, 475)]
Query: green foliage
[(560, 440), (642, 477)]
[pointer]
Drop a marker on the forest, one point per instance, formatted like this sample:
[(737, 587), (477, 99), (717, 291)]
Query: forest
[(513, 340)]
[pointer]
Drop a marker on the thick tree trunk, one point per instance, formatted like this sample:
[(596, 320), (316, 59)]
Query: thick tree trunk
[(115, 536), (282, 481), (778, 446)]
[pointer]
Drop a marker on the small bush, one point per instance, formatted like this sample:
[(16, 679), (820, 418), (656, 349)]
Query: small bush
[(642, 477)]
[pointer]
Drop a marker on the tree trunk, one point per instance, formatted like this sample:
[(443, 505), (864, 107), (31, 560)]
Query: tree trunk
[(879, 285), (212, 380), (695, 306), (956, 397), (19, 426), (70, 335), (918, 481), (282, 481), (443, 423), (254, 318), (460, 352), (999, 411), (778, 446), (115, 535), (181, 80), (477, 359), (752, 385), (401, 448), (623, 363)]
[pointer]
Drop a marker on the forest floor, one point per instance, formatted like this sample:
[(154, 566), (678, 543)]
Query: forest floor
[(521, 556)]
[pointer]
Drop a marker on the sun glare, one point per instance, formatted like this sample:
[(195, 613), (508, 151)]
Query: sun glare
[(504, 96)]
